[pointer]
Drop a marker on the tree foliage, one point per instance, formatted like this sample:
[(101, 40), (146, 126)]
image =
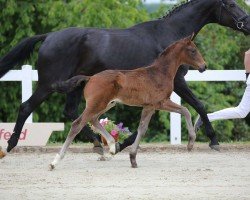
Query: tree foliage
[(222, 48)]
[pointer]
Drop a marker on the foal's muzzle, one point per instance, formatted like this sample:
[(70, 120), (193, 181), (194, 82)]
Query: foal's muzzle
[(202, 68)]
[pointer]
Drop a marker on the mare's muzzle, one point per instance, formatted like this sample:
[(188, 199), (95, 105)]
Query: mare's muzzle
[(202, 68), (245, 26)]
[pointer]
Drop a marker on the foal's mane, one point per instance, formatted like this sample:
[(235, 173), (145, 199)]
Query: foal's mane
[(166, 51), (178, 7)]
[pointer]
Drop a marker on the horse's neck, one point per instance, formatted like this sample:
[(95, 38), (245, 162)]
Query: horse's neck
[(184, 22), (168, 65)]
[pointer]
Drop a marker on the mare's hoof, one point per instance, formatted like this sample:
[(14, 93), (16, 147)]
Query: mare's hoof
[(2, 154), (215, 147), (12, 142), (51, 167), (98, 150), (133, 160)]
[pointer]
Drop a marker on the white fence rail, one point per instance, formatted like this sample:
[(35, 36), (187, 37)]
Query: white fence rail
[(193, 75), (27, 75)]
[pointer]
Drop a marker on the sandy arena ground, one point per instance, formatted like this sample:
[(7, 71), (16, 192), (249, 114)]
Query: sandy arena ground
[(163, 173)]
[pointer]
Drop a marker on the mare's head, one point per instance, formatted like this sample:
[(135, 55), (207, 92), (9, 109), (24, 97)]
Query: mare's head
[(231, 15), (189, 54)]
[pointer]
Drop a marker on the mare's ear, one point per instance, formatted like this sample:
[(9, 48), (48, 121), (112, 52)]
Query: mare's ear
[(192, 36)]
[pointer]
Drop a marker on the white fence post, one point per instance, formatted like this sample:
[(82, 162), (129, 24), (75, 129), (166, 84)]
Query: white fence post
[(175, 122), (27, 86)]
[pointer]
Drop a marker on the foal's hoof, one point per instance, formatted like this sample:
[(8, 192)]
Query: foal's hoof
[(51, 167), (114, 148), (133, 161), (190, 147), (215, 147), (98, 150), (104, 158)]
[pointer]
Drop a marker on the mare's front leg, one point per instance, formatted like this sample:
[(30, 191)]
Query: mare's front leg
[(143, 126), (182, 89), (168, 105), (71, 111), (25, 110)]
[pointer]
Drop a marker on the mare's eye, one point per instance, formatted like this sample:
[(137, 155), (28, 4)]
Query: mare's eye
[(232, 5)]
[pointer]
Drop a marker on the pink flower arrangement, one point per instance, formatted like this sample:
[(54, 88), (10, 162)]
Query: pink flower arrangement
[(117, 131)]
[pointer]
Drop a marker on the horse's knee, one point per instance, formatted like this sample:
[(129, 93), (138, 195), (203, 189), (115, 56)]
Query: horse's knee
[(201, 109)]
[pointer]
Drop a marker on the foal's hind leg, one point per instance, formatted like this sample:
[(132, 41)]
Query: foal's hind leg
[(143, 126), (71, 111), (76, 127), (25, 110), (173, 107)]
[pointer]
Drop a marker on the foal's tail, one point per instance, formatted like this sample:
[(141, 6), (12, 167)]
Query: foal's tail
[(19, 53), (70, 84)]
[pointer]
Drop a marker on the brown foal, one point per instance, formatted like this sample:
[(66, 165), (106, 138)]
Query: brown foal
[(148, 87)]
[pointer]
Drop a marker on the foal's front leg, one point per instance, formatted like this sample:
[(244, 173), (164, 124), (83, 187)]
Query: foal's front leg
[(182, 89), (106, 135), (143, 126), (173, 107)]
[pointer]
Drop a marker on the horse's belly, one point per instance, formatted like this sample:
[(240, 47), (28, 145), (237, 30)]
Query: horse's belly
[(140, 99)]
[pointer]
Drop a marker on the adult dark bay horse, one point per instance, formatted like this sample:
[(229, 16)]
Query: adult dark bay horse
[(72, 51)]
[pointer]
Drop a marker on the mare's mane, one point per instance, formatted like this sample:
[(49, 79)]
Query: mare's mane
[(179, 7)]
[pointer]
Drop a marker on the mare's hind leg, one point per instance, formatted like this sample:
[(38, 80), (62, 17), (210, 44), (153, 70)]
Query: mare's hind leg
[(173, 107), (25, 110), (143, 126), (71, 111)]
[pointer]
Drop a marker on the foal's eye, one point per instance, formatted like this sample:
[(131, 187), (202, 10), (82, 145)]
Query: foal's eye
[(193, 51), (232, 5)]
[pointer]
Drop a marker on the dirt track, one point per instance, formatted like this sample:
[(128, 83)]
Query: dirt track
[(163, 173)]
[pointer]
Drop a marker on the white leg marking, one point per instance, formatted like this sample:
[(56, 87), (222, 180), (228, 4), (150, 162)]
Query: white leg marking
[(112, 148)]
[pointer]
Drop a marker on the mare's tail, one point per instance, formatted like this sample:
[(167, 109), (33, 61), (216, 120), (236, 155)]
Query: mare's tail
[(19, 53), (70, 84)]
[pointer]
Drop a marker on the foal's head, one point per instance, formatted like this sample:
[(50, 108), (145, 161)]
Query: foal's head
[(190, 55)]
